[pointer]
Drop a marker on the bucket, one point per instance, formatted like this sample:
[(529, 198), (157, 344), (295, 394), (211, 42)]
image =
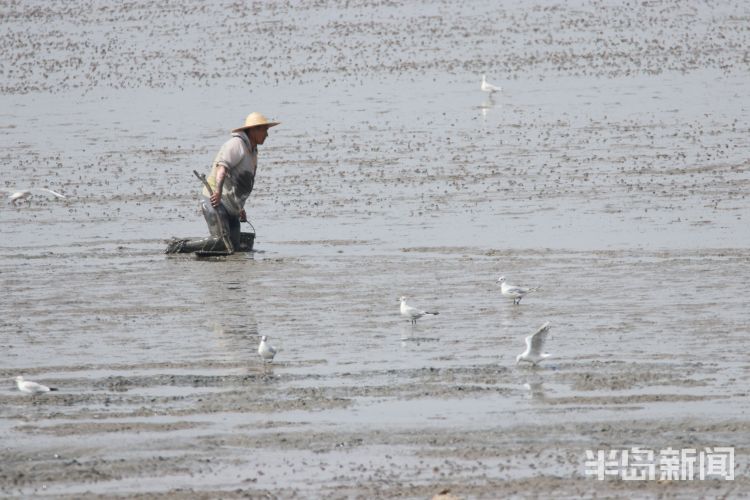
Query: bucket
[(246, 242)]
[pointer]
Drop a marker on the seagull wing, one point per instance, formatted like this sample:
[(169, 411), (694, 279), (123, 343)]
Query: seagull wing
[(55, 193), (413, 311), (488, 87), (20, 195), (34, 387), (535, 342)]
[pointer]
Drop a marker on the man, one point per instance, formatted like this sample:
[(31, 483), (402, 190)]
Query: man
[(231, 181), (233, 175)]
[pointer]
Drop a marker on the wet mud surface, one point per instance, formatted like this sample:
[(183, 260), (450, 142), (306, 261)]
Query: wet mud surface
[(611, 172)]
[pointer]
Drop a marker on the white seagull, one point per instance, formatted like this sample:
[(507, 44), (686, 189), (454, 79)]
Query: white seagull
[(266, 351), (412, 312), (514, 292), (488, 87), (534, 345), (25, 194), (31, 387)]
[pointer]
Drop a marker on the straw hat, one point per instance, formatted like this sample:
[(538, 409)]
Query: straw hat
[(255, 119)]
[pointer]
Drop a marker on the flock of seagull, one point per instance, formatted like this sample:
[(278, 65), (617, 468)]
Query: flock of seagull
[(533, 353), (534, 342)]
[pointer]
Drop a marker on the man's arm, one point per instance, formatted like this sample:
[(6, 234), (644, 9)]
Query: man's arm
[(221, 173)]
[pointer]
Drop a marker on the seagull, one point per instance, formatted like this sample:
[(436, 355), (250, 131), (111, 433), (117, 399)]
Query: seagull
[(412, 312), (31, 387), (25, 194), (488, 87), (514, 292), (534, 345), (266, 351)]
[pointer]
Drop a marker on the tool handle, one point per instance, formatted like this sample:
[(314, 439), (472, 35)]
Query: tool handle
[(202, 178)]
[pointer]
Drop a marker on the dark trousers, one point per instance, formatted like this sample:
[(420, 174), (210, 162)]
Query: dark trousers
[(218, 218)]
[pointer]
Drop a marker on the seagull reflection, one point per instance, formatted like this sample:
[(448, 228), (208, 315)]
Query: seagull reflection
[(487, 105), (409, 338), (535, 391)]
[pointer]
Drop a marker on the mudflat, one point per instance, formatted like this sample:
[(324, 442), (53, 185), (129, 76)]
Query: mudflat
[(611, 172)]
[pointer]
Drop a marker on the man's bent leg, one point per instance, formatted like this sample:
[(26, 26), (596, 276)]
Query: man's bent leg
[(216, 219)]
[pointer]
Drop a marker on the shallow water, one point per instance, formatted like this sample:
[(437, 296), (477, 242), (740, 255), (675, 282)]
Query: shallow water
[(611, 171)]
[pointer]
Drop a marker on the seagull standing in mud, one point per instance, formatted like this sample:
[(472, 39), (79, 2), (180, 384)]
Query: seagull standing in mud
[(30, 387), (534, 345), (412, 312), (266, 350), (488, 87), (514, 292)]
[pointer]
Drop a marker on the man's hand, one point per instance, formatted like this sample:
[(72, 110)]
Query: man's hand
[(216, 199), (243, 215)]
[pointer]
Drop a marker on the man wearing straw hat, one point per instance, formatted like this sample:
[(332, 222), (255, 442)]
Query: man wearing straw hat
[(233, 174), (230, 181)]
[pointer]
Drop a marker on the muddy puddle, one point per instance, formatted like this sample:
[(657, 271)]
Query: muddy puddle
[(611, 172)]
